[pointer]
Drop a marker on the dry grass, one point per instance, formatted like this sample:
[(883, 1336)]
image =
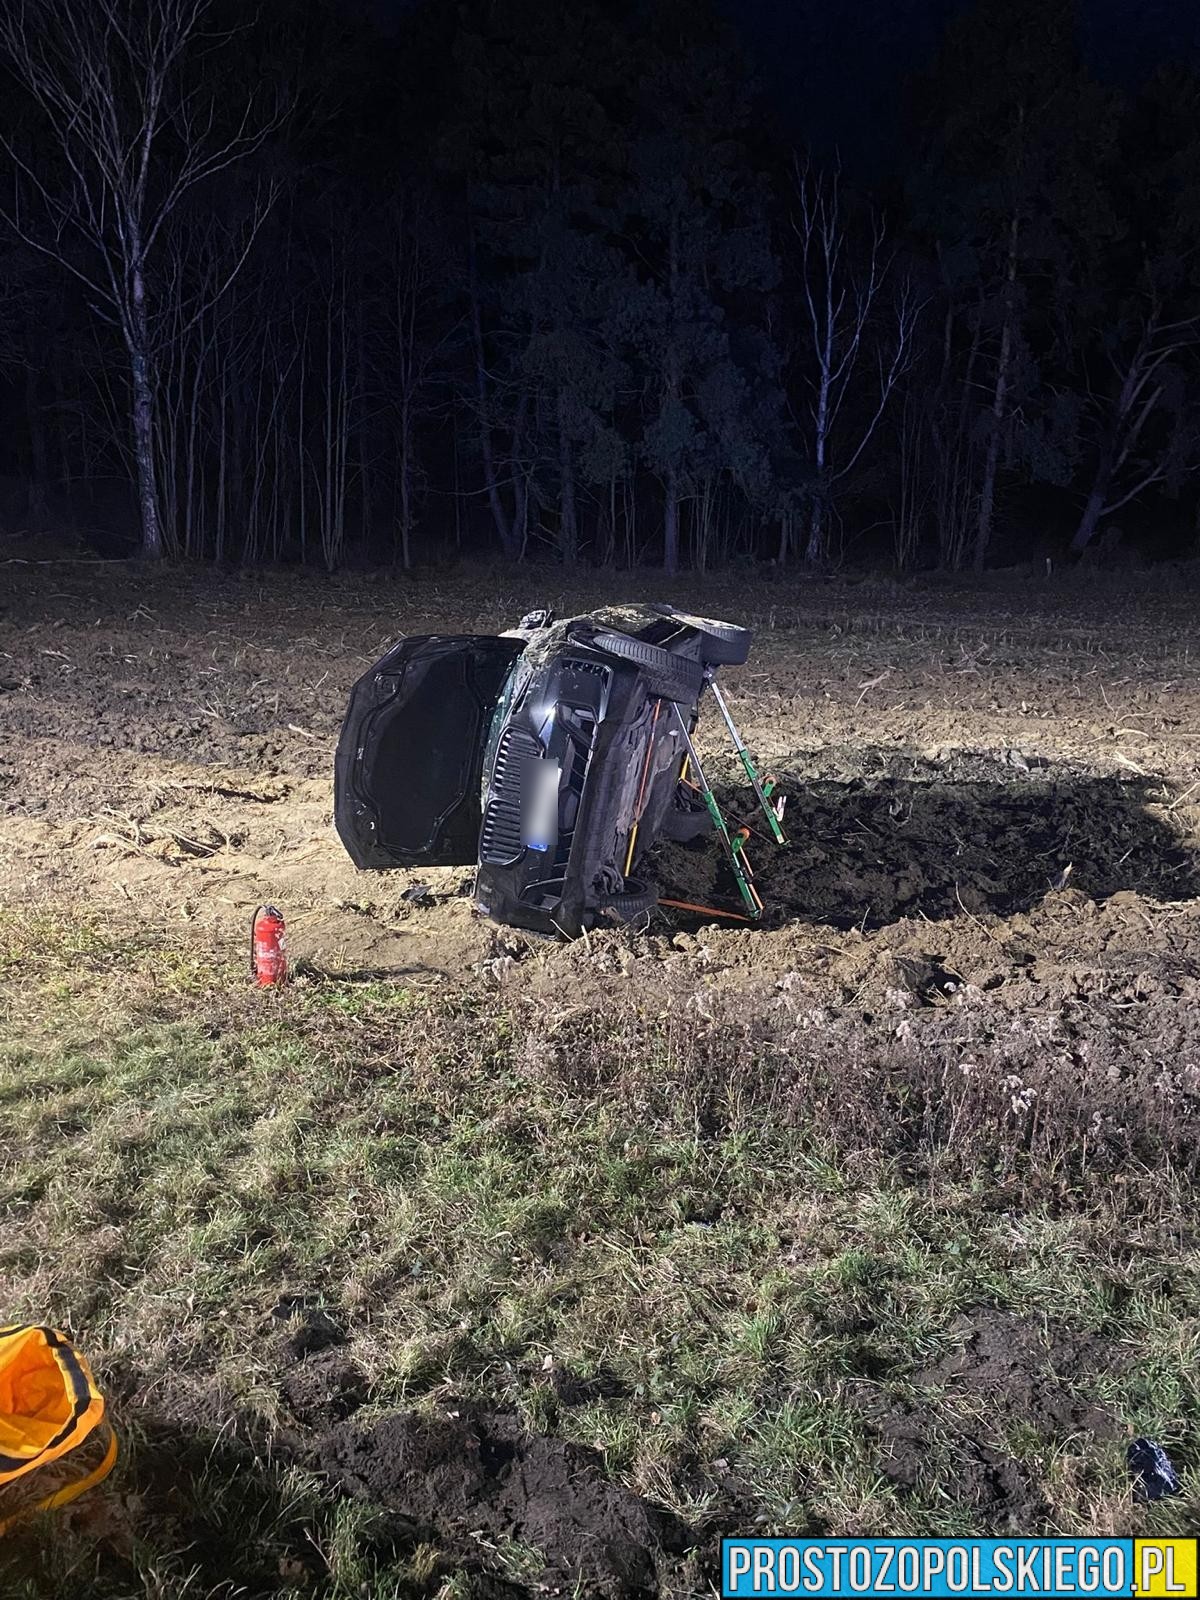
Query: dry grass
[(745, 1234)]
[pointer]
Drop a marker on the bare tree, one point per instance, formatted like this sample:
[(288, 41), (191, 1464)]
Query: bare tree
[(848, 320), (411, 355), (1132, 455), (510, 528), (913, 485), (135, 134), (954, 457), (1001, 399), (331, 462)]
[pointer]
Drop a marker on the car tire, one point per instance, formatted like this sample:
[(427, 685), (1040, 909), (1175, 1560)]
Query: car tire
[(634, 900), (667, 676), (724, 644)]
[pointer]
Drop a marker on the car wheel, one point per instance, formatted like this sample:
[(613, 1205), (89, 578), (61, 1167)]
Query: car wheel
[(667, 676), (634, 900), (724, 644)]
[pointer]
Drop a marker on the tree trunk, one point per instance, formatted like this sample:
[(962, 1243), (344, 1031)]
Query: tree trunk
[(366, 531), (987, 493), (193, 544), (814, 553), (568, 527), (220, 520), (814, 550), (366, 475), (608, 544), (520, 477), (143, 455), (671, 525), (457, 490), (671, 485), (38, 473), (702, 527), (142, 394), (504, 528), (955, 456), (301, 462), (406, 488), (62, 432), (1092, 512)]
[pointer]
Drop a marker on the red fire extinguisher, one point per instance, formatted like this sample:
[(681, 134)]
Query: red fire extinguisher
[(268, 947)]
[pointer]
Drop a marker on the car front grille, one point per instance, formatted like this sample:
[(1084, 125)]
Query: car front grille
[(500, 841)]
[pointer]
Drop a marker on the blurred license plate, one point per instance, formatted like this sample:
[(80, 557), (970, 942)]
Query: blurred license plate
[(540, 821)]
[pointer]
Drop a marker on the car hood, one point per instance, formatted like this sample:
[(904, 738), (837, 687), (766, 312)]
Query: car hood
[(409, 762)]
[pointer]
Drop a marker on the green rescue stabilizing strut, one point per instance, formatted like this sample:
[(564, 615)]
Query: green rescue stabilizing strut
[(734, 843), (762, 791)]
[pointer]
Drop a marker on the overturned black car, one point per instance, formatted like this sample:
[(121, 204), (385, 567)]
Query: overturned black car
[(551, 757)]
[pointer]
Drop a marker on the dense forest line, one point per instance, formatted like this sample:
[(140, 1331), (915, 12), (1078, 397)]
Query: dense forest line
[(551, 282)]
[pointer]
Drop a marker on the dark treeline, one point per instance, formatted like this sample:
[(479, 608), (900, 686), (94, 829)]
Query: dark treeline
[(548, 282)]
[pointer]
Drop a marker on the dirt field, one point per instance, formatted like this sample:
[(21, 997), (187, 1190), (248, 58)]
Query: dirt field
[(476, 1264)]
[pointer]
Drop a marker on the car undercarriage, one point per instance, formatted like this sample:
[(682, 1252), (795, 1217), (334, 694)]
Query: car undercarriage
[(552, 758)]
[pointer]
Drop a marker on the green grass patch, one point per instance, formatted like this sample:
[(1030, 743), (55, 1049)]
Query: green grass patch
[(755, 1324)]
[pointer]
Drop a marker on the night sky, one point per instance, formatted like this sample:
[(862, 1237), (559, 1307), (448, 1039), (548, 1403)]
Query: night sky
[(836, 72)]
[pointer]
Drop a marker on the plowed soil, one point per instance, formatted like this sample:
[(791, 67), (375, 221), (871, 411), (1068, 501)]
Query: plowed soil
[(1004, 778)]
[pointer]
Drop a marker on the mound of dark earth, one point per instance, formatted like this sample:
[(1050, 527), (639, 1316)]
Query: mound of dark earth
[(1005, 1367), (465, 1472)]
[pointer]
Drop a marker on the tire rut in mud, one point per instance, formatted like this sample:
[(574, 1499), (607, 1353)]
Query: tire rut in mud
[(870, 848)]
